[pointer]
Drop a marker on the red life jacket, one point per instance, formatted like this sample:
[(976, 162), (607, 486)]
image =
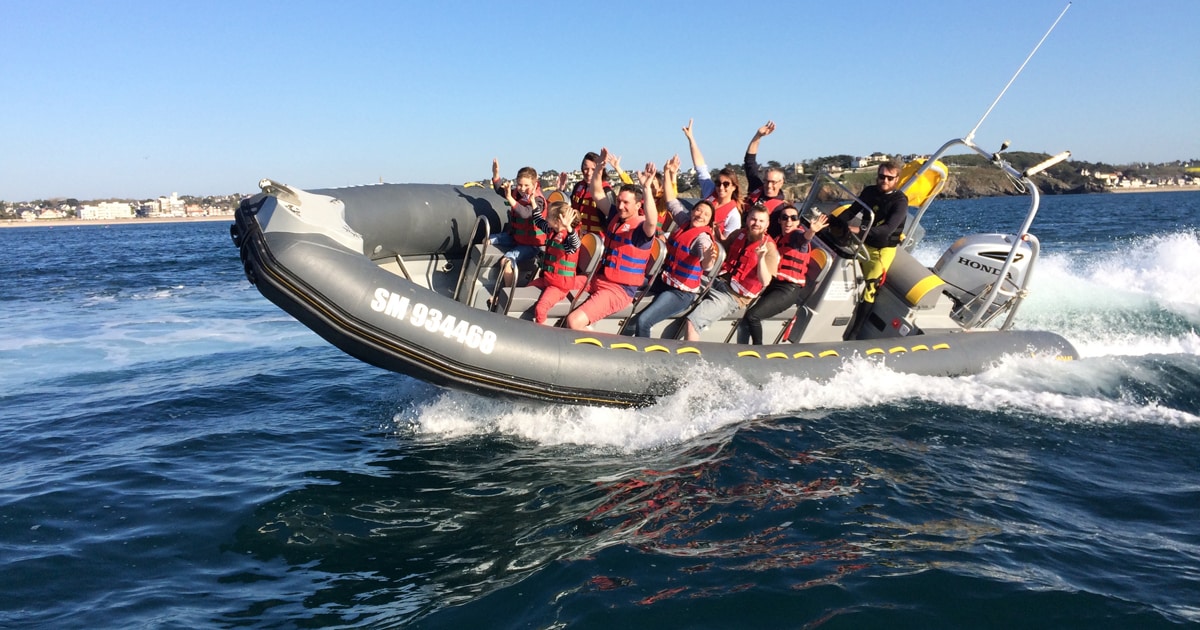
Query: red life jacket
[(742, 266), (757, 197), (722, 212), (524, 232), (683, 269), (558, 266), (589, 215), (793, 261), (625, 262)]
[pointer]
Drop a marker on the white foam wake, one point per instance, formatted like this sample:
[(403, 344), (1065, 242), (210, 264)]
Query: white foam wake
[(713, 398)]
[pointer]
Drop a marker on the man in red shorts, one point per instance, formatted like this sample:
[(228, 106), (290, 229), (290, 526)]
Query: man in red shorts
[(627, 241)]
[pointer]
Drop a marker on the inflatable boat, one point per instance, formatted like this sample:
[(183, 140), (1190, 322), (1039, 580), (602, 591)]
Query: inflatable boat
[(401, 276)]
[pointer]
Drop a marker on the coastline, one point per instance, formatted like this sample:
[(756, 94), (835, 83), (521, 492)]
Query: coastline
[(1153, 189), (17, 223)]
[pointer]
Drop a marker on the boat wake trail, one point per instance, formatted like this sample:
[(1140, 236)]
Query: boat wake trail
[(1139, 298), (1091, 392)]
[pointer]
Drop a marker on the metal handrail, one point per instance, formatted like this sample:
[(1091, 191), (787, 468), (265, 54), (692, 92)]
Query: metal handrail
[(1023, 233), (487, 237)]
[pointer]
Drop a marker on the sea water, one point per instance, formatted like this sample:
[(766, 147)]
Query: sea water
[(175, 451)]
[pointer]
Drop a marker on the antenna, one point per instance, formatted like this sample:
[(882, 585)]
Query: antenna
[(971, 135)]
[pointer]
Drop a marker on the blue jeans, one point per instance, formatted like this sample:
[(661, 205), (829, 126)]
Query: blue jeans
[(668, 301), (718, 303), (512, 251)]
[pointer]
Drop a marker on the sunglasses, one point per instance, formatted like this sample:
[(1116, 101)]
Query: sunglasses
[(777, 182), (725, 184), (791, 217), (887, 178)]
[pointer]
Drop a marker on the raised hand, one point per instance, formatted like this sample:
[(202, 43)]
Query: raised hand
[(568, 216), (672, 165), (646, 176), (561, 184), (819, 223), (687, 131), (766, 129), (495, 169)]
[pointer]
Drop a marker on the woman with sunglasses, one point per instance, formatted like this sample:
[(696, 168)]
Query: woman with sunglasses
[(725, 194), (791, 285), (690, 252)]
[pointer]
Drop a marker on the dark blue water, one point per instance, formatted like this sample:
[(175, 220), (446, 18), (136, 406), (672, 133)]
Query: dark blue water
[(177, 452)]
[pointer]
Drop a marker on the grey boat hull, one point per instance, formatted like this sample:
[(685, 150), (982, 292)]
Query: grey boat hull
[(322, 257)]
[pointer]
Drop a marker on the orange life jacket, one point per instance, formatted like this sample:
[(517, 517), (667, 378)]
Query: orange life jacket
[(524, 232), (589, 215), (625, 262), (683, 269)]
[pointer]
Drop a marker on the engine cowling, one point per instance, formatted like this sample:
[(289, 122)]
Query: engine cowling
[(973, 263)]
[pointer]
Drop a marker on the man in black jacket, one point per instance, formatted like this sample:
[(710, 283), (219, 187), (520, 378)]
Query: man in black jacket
[(889, 207)]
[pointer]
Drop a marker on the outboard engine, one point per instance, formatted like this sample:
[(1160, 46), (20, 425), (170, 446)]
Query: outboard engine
[(972, 264)]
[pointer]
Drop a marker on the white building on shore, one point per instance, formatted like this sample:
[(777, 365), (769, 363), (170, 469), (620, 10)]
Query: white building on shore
[(171, 206), (106, 211)]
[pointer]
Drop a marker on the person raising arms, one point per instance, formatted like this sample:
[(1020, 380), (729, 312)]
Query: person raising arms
[(725, 195), (690, 252), (627, 240), (522, 240), (768, 192), (559, 264), (581, 194)]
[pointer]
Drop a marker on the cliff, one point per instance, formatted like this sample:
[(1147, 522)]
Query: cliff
[(971, 182)]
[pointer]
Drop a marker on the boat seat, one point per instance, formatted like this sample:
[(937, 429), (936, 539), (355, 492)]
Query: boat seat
[(776, 325), (524, 298), (917, 285), (591, 254)]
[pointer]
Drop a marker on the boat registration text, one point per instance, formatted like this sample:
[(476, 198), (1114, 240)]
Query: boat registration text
[(432, 320)]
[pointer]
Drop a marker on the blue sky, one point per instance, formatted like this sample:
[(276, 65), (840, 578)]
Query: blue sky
[(141, 98)]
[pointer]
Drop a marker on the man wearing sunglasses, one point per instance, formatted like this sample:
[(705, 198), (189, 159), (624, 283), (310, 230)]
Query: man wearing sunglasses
[(890, 208), (768, 192)]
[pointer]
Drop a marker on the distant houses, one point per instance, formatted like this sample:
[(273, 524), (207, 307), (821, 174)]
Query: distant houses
[(1119, 180), (870, 160), (162, 207)]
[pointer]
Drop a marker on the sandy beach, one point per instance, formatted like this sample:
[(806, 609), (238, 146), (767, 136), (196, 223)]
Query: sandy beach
[(1151, 189), (17, 223)]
